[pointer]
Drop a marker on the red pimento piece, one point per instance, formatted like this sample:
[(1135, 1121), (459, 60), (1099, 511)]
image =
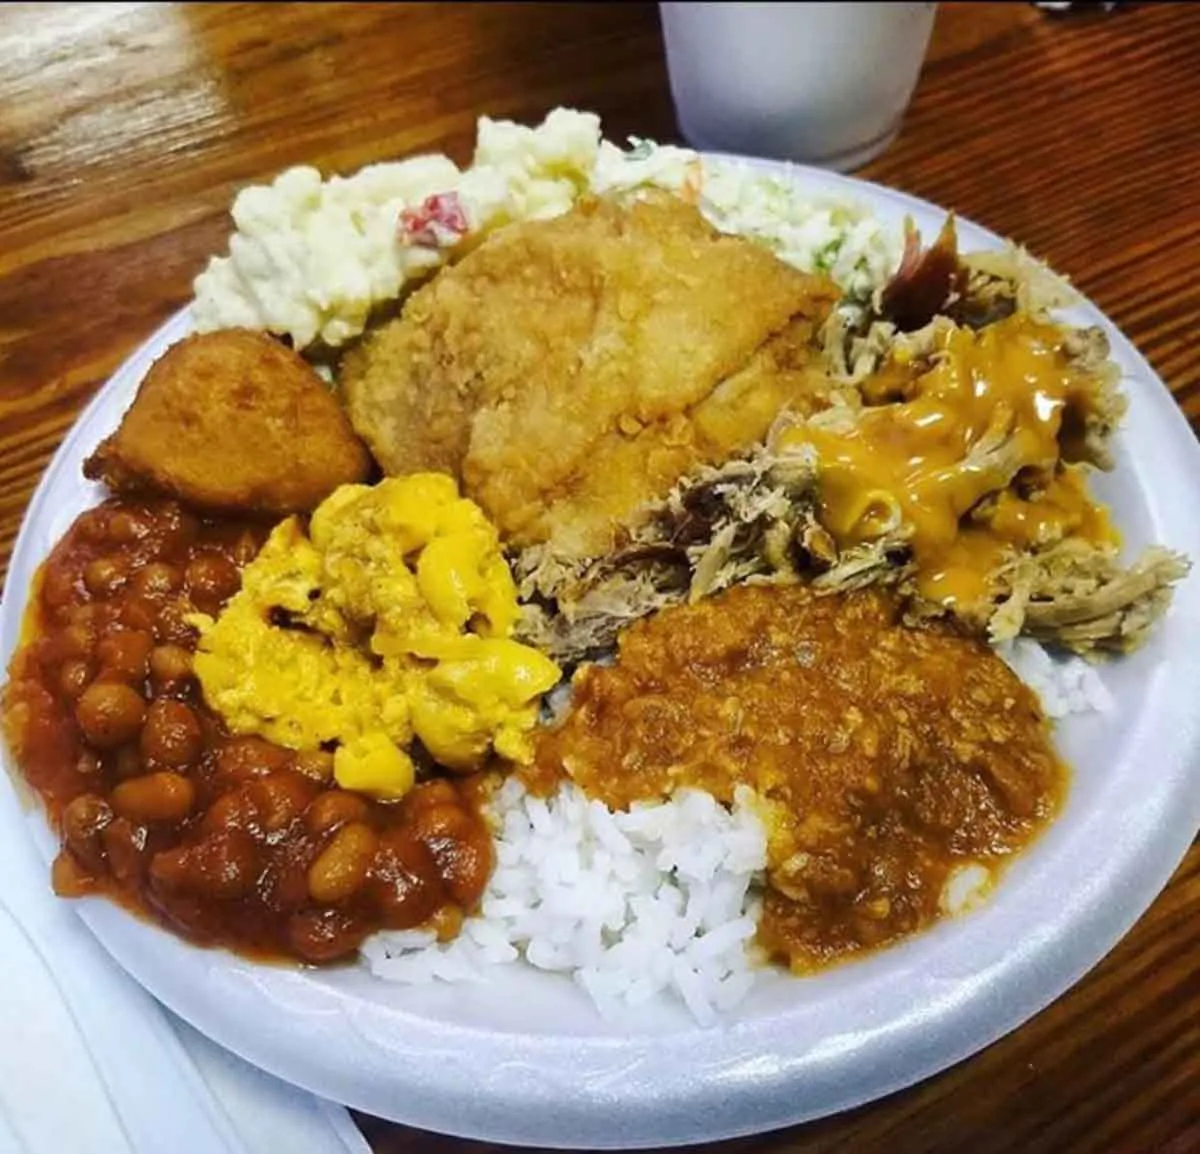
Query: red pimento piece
[(440, 222)]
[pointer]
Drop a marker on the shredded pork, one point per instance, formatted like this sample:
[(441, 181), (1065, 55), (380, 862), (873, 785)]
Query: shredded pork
[(754, 520), (1078, 596)]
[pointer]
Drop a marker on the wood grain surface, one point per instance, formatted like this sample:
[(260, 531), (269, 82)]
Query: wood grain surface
[(126, 128)]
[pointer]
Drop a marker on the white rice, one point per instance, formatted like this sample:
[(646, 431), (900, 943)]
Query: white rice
[(633, 906), (1064, 685), (659, 902)]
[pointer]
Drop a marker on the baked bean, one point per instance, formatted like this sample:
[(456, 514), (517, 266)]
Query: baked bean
[(430, 793), (236, 809), (126, 526), (333, 808), (403, 881), (315, 763), (283, 886), (138, 613), (170, 628), (465, 865), (93, 525), (341, 867), (185, 528), (156, 580), (69, 878), (280, 799), (170, 666), (321, 936), (172, 734), (223, 866), (77, 640), (105, 575), (74, 676), (89, 616), (162, 796), (83, 820), (124, 655), (124, 848), (243, 758), (447, 819), (286, 887), (460, 845), (211, 578), (110, 714), (87, 765)]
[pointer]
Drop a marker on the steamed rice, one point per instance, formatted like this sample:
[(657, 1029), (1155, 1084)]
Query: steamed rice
[(1064, 687), (632, 906), (659, 902)]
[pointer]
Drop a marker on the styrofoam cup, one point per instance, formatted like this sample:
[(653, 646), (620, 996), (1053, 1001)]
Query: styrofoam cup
[(825, 84)]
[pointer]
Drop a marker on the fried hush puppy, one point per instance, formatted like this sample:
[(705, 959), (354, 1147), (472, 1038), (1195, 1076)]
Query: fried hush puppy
[(232, 421)]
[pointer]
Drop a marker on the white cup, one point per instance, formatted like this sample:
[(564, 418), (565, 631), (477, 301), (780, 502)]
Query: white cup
[(825, 84)]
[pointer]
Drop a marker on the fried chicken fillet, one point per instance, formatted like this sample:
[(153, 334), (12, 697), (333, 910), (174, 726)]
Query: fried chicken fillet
[(568, 371), (232, 421)]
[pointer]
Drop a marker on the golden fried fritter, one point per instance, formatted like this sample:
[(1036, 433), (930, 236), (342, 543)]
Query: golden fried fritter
[(570, 370), (236, 422)]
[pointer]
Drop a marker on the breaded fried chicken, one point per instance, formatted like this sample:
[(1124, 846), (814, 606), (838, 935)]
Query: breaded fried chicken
[(569, 371), (232, 421)]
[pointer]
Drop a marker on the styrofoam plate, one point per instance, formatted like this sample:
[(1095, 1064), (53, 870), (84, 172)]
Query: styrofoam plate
[(524, 1057)]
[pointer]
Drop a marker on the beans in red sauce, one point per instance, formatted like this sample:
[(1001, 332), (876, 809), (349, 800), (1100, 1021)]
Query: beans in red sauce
[(228, 840)]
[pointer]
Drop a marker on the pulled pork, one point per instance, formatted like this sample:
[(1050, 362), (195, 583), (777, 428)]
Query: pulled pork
[(1077, 595), (754, 520)]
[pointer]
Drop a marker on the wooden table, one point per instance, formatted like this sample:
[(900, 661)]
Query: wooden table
[(125, 130)]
